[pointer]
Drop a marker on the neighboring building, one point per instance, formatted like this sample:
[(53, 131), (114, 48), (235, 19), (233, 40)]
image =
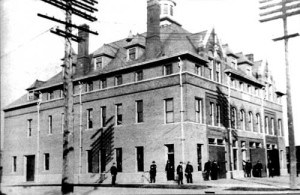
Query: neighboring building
[(127, 109)]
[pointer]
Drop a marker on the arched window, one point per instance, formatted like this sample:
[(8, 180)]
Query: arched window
[(243, 119), (233, 118), (251, 124), (258, 123)]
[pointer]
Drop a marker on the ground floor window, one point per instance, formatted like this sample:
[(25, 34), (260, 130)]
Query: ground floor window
[(235, 158), (46, 161), (93, 161), (119, 159), (199, 156)]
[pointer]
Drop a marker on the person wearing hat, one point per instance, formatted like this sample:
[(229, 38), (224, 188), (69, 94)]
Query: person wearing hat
[(188, 172), (180, 173), (152, 172), (113, 171)]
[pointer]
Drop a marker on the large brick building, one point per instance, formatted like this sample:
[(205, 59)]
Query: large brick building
[(164, 94)]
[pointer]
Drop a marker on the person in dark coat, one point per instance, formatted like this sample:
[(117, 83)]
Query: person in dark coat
[(258, 168), (113, 171), (152, 172), (188, 172), (207, 169), (169, 170), (271, 168), (214, 170), (180, 173), (248, 168)]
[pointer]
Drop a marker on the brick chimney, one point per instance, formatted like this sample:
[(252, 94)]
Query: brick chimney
[(153, 44), (83, 51)]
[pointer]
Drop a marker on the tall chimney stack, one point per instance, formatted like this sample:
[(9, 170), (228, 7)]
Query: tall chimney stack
[(153, 44), (83, 51)]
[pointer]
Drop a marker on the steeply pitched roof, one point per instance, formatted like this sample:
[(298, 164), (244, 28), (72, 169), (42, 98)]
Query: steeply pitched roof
[(37, 83), (243, 59)]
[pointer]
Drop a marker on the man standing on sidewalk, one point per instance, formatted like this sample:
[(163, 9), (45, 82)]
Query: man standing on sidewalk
[(113, 171), (152, 172), (188, 172), (180, 173)]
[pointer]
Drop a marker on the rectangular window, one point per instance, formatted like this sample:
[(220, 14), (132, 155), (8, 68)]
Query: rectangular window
[(211, 141), (210, 69), (118, 80), (165, 10), (199, 156), (139, 75), (168, 69), (103, 116), (119, 114), (272, 132), (98, 63), (218, 115), (89, 118), (14, 164), (169, 108), (280, 129), (218, 70), (50, 95), (29, 129), (171, 10), (212, 113), (61, 93), (89, 86), (232, 83), (103, 160), (241, 86), (46, 161), (235, 158), (49, 124), (93, 161), (266, 124), (103, 83), (132, 54), (140, 158), (139, 111), (198, 110), (198, 70), (119, 159)]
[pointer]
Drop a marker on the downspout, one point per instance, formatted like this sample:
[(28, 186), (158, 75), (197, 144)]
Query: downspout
[(38, 137), (230, 157), (80, 132), (181, 108)]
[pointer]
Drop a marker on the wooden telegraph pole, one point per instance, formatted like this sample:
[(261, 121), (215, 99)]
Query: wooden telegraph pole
[(70, 7), (285, 8)]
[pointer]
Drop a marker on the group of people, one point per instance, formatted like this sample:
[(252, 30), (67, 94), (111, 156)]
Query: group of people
[(257, 169), (211, 168)]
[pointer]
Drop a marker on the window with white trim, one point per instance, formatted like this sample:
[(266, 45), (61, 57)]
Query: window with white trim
[(119, 114), (89, 117), (46, 161), (50, 125), (169, 110), (139, 111), (14, 164), (98, 63), (198, 110), (29, 127), (242, 119), (132, 54)]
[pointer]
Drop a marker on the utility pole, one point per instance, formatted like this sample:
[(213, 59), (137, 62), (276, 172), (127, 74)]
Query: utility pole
[(285, 8), (70, 7)]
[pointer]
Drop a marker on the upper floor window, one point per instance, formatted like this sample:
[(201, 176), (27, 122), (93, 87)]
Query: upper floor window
[(14, 164), (49, 124), (103, 83), (272, 132), (258, 123), (280, 129), (165, 10), (89, 86), (241, 85), (218, 115), (103, 116), (198, 70), (118, 80), (139, 111), (98, 63), (168, 69), (119, 114), (198, 110), (89, 118), (29, 127), (251, 121), (242, 119), (232, 82), (169, 109), (218, 70), (50, 95), (46, 161), (233, 118), (139, 75), (132, 54), (212, 113), (171, 10), (266, 124)]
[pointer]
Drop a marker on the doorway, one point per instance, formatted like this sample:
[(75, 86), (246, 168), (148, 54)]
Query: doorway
[(30, 166), (170, 167)]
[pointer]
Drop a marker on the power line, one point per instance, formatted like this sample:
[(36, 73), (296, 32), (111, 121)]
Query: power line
[(27, 42)]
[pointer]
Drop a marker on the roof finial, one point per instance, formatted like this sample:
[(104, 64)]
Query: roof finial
[(130, 36)]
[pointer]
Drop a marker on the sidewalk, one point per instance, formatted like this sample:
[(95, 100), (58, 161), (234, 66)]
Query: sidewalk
[(221, 186)]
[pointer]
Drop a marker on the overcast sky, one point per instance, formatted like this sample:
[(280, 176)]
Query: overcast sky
[(29, 51)]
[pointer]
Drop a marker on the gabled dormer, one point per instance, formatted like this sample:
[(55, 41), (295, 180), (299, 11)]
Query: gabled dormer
[(103, 56), (245, 63), (231, 57), (135, 47), (32, 93)]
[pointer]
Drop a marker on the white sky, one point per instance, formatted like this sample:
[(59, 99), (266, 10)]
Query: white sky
[(30, 52)]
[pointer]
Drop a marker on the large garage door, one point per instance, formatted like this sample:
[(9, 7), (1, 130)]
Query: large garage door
[(258, 154), (273, 155), (218, 153)]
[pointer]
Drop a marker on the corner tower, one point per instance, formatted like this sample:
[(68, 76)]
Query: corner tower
[(167, 8)]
